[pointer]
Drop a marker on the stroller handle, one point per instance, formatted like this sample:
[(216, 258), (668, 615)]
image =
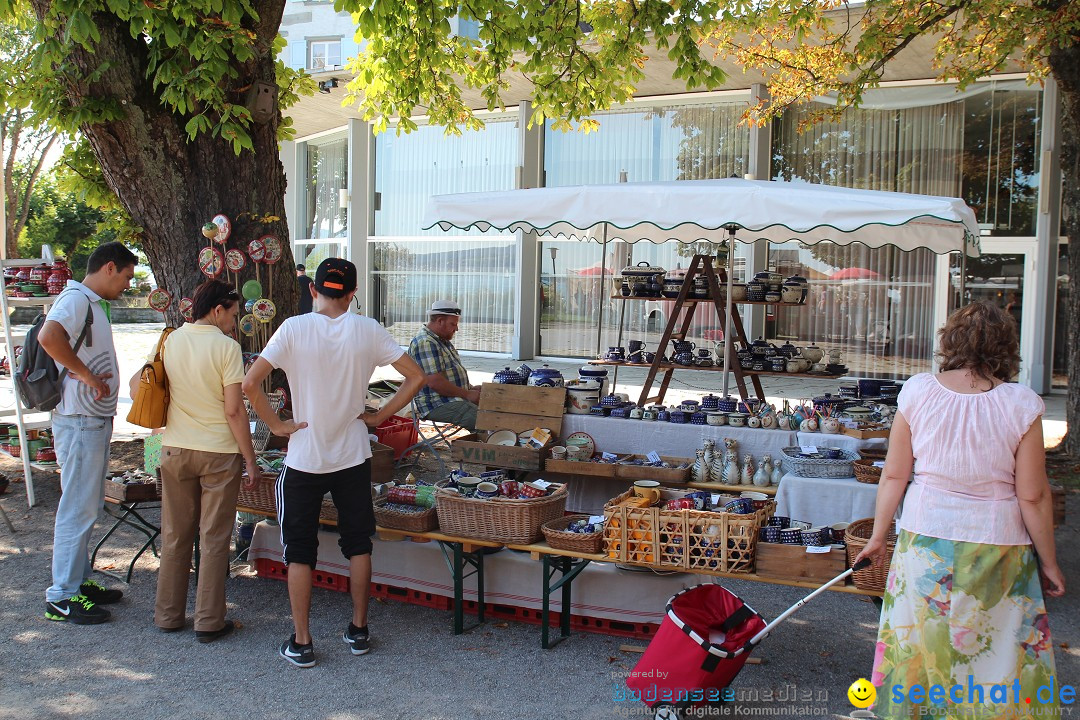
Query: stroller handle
[(861, 565)]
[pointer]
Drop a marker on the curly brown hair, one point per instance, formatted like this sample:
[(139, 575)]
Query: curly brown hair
[(982, 338)]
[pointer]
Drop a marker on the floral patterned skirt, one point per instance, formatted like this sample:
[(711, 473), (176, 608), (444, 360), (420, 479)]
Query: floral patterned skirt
[(968, 617)]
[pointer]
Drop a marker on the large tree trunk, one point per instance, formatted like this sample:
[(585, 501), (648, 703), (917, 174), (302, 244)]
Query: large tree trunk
[(1065, 65), (171, 185)]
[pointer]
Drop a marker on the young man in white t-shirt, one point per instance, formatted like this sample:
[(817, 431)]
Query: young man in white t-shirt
[(328, 356), (82, 427)]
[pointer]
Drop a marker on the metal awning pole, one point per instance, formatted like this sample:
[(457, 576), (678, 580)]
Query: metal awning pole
[(602, 296), (728, 350), (963, 278)]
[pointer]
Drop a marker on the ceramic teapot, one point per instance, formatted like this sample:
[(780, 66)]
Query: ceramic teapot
[(506, 376), (813, 354)]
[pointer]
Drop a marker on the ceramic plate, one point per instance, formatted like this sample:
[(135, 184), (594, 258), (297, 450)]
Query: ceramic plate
[(589, 443), (503, 437)]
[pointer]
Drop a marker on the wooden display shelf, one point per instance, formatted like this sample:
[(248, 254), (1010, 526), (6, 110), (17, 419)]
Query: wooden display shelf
[(768, 490), (675, 366), (54, 467), (690, 301)]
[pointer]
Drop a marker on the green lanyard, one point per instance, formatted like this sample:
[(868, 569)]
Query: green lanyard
[(107, 308)]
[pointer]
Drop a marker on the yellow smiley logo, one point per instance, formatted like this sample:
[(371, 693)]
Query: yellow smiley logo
[(861, 693)]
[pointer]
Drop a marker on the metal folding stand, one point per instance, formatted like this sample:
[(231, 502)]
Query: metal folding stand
[(568, 569), (128, 514), (457, 559), (7, 520)]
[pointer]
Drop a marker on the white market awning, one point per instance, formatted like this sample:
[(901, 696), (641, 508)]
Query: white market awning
[(695, 210)]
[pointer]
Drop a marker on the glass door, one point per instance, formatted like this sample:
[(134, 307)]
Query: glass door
[(1000, 277)]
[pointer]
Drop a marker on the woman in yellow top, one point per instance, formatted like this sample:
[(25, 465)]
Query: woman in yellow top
[(207, 441)]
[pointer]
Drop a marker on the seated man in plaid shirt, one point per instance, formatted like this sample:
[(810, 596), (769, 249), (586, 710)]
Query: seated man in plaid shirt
[(448, 396)]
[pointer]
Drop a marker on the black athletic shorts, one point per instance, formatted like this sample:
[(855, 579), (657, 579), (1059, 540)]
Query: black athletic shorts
[(299, 500)]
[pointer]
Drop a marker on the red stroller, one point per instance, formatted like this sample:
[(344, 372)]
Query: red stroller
[(700, 647)]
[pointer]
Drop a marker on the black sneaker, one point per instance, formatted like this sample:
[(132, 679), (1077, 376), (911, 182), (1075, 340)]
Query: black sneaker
[(205, 636), (299, 655), (357, 639), (99, 594), (78, 609)]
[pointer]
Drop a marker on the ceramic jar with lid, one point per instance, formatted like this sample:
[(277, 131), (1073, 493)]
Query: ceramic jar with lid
[(506, 376), (791, 293), (546, 377)]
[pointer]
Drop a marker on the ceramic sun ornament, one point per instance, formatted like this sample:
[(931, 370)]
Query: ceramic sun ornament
[(159, 300), (211, 262), (224, 228)]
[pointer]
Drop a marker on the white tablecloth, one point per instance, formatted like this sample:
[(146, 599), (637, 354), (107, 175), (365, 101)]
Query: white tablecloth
[(510, 578), (824, 501), (844, 442), (620, 436)]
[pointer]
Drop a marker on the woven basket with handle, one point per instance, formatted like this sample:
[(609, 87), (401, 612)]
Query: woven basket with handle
[(506, 520), (562, 539), (866, 471), (410, 522), (856, 537)]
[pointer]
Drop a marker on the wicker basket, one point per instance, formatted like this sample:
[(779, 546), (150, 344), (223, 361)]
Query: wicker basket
[(819, 467), (261, 497), (560, 538), (866, 471), (855, 537), (682, 539), (504, 520), (873, 453), (411, 522)]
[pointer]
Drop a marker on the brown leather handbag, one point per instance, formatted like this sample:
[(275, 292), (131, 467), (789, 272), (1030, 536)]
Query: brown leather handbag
[(150, 404)]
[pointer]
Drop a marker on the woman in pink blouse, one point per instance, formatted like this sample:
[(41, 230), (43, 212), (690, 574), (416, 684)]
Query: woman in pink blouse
[(975, 550)]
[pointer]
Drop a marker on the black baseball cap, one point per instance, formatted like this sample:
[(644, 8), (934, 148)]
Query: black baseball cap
[(335, 278)]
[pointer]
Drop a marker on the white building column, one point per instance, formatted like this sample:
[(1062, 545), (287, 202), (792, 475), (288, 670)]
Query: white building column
[(288, 156), (1043, 293), (530, 174), (358, 196)]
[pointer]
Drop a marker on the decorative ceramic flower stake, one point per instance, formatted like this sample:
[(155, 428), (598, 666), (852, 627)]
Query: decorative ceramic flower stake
[(211, 262), (159, 300), (185, 309), (252, 290), (273, 254), (264, 310), (224, 228), (210, 230), (247, 325)]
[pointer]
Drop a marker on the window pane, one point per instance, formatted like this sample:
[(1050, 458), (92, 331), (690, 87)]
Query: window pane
[(413, 267), (679, 142), (327, 174)]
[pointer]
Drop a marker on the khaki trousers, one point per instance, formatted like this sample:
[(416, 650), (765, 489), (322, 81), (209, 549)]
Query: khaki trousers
[(198, 493)]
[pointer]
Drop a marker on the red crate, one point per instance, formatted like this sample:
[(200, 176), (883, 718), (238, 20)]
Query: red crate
[(275, 570), (398, 433)]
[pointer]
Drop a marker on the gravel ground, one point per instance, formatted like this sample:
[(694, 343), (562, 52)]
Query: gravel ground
[(417, 668)]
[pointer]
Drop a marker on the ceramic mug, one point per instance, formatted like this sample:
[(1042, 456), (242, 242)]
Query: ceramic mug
[(487, 490), (648, 489), (467, 485)]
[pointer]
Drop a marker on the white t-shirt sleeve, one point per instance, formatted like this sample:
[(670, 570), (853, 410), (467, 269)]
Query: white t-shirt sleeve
[(70, 312), (277, 351), (386, 347)]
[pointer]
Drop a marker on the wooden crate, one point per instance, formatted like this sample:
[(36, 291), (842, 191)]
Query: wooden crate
[(520, 408), (864, 434), (664, 475), (592, 469), (502, 408), (382, 462), (131, 493), (792, 562)]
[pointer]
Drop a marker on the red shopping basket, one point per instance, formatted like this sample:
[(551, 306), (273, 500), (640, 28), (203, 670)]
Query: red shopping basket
[(681, 664), (398, 433)]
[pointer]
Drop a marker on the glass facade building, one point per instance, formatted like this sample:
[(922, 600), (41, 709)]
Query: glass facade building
[(880, 307)]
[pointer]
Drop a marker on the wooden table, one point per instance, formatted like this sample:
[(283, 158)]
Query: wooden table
[(460, 554), (569, 564)]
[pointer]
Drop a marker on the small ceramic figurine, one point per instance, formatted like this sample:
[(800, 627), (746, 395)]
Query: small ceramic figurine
[(830, 425), (748, 471), (764, 472), (808, 425), (731, 462), (700, 471), (777, 473), (709, 447)]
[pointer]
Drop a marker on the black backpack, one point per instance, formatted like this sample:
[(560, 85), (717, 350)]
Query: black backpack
[(38, 380)]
